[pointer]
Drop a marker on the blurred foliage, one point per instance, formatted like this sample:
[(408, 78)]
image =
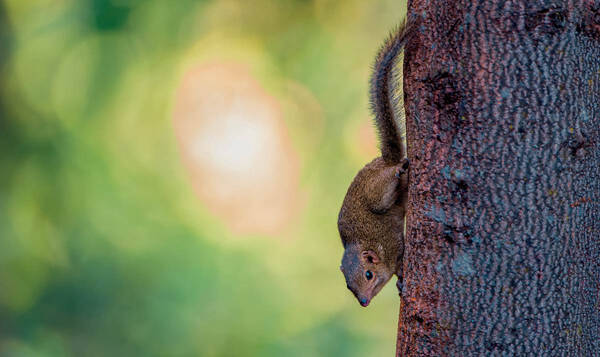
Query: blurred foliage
[(105, 250)]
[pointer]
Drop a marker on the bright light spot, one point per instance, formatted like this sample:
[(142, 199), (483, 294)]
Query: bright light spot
[(236, 148), (231, 145)]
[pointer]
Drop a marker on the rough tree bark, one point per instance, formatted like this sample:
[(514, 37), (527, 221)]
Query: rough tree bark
[(503, 227)]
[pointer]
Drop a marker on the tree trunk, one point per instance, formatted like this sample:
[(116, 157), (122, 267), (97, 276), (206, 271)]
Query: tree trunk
[(503, 227)]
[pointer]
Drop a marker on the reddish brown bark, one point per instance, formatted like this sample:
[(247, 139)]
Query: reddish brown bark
[(502, 248)]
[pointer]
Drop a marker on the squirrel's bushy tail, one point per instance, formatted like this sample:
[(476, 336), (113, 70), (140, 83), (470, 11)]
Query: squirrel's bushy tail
[(383, 95)]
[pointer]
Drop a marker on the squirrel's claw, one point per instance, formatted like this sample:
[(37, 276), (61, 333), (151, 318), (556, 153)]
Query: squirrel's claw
[(399, 285), (403, 169)]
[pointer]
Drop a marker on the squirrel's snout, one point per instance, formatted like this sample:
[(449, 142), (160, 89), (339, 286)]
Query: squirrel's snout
[(364, 302)]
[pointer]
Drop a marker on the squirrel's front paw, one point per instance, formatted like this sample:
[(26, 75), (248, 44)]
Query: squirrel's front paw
[(399, 285), (403, 167)]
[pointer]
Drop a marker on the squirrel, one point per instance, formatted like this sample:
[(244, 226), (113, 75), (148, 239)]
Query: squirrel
[(371, 220)]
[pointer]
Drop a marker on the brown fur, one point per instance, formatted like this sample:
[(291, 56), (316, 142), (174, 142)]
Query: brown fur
[(371, 220), (371, 225)]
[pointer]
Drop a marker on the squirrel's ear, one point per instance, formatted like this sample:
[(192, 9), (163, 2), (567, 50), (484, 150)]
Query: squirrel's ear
[(370, 256), (383, 189)]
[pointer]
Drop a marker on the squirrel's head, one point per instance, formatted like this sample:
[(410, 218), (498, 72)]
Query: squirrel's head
[(365, 273), (371, 224)]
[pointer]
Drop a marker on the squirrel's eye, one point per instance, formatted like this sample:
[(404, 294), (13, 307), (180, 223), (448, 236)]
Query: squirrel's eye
[(368, 275)]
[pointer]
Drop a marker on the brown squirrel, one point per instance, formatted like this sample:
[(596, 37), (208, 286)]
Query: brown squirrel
[(371, 220)]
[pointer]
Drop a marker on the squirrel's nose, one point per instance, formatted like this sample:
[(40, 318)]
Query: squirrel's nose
[(364, 302)]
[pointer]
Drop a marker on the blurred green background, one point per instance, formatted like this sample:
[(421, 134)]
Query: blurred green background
[(171, 173)]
